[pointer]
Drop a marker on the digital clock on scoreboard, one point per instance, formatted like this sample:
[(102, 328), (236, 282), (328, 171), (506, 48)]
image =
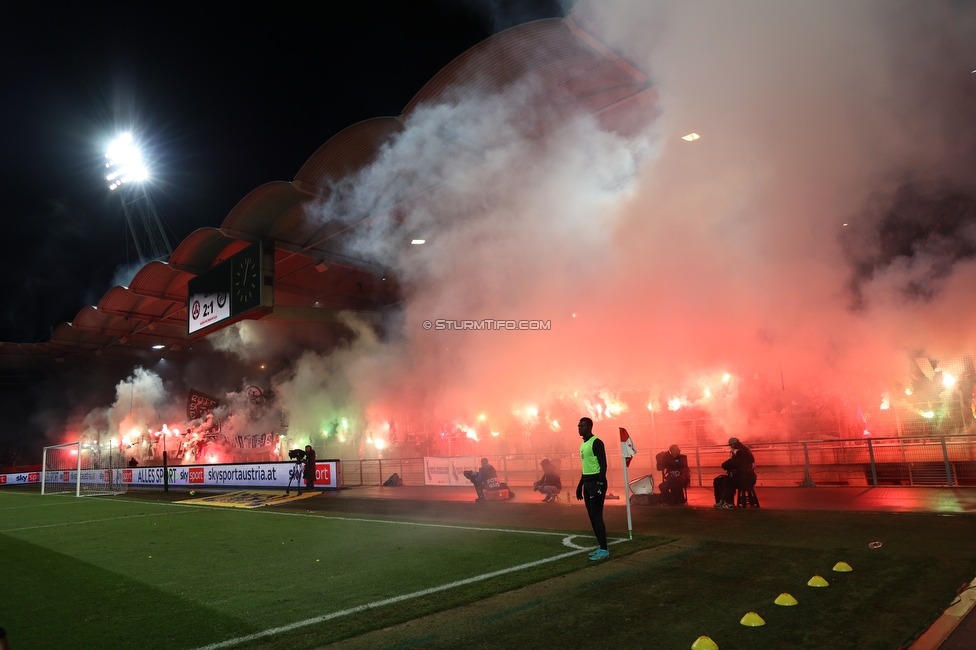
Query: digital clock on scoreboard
[(232, 290)]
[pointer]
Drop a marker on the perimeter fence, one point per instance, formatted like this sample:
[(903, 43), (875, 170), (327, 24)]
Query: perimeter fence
[(923, 461)]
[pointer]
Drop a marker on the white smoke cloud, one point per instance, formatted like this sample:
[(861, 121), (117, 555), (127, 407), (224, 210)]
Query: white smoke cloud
[(662, 265), (141, 403), (657, 260)]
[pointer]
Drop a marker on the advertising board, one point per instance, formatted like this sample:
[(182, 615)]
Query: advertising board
[(449, 471), (269, 475), (20, 478)]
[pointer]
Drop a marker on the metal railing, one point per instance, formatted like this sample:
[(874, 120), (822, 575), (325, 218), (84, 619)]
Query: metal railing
[(920, 461)]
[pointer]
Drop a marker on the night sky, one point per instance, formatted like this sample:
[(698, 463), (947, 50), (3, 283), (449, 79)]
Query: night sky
[(220, 102)]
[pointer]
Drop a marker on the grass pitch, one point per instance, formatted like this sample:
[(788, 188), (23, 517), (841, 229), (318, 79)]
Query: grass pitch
[(420, 574), (121, 572)]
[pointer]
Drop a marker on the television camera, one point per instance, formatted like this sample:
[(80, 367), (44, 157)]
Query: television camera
[(297, 471)]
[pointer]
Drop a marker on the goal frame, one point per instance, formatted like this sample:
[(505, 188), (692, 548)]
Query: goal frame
[(112, 487), (44, 469)]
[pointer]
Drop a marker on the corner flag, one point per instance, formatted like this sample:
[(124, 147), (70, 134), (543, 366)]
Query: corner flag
[(627, 448), (628, 451)]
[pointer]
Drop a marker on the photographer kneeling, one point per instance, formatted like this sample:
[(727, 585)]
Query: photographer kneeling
[(550, 484), (483, 478)]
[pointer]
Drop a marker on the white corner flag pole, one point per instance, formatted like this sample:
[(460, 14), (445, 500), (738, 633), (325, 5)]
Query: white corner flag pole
[(627, 450)]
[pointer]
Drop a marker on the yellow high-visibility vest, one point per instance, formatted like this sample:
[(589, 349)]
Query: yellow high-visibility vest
[(588, 459)]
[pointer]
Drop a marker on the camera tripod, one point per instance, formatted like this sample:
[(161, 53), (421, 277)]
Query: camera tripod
[(297, 470)]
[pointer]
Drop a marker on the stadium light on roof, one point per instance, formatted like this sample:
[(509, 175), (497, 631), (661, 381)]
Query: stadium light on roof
[(124, 162), (691, 137), (418, 242)]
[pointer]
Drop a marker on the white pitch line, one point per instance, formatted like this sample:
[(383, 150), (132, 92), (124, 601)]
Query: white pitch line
[(93, 521), (389, 601), (42, 505), (278, 513), (373, 521), (429, 525)]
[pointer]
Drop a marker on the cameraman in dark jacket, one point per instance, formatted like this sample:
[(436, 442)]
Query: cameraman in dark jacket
[(677, 476), (309, 468), (740, 474)]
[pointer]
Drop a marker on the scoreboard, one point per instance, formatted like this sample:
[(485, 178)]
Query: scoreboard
[(239, 287)]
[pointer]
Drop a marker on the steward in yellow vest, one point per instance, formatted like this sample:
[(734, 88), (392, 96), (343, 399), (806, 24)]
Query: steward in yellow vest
[(593, 484)]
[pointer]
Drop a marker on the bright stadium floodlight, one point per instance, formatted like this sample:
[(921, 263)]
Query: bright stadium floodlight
[(691, 137), (124, 162), (126, 173)]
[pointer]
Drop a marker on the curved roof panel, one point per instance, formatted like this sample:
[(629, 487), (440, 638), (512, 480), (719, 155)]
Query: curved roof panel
[(160, 280), (67, 338), (91, 319), (275, 210), (122, 303), (348, 151), (203, 249), (555, 60)]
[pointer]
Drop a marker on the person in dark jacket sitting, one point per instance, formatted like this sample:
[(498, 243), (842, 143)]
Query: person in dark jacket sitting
[(486, 477), (677, 476), (740, 474), (550, 484)]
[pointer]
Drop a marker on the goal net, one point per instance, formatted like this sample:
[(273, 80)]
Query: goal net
[(83, 469)]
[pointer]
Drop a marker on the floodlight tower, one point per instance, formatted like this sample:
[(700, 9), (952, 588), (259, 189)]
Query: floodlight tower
[(126, 176)]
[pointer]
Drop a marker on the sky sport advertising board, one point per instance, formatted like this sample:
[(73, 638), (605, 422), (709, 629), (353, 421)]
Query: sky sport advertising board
[(20, 478), (254, 475)]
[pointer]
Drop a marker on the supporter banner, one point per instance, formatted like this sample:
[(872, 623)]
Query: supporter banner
[(235, 475), (199, 404), (255, 441), (22, 478), (449, 471)]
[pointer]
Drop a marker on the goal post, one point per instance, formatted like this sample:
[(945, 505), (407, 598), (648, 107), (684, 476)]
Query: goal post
[(82, 468)]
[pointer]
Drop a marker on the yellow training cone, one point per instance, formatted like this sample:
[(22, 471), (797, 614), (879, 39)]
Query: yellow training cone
[(704, 643), (752, 619), (785, 600), (817, 581), (843, 567)]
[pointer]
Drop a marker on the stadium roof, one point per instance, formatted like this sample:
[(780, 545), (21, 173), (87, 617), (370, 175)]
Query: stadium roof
[(570, 73)]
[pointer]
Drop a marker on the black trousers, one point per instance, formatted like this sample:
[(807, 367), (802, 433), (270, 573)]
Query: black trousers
[(594, 494), (672, 490), (719, 485), (309, 476), (725, 486)]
